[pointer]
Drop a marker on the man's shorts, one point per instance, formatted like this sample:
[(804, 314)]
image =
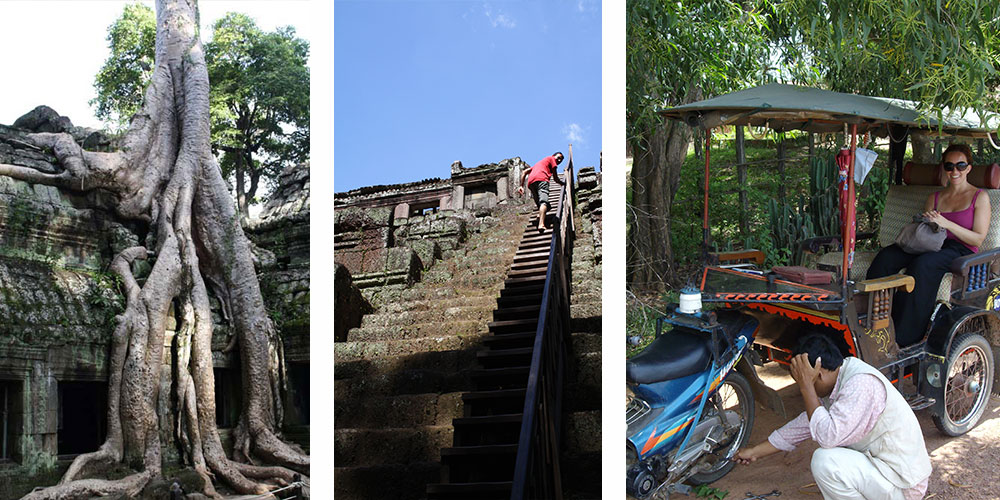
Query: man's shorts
[(540, 190)]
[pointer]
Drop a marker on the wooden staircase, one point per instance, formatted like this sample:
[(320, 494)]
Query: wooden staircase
[(480, 463)]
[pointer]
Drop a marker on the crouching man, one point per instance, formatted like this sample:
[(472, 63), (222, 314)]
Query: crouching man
[(871, 446)]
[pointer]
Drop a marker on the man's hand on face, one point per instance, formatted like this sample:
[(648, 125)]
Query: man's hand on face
[(803, 372)]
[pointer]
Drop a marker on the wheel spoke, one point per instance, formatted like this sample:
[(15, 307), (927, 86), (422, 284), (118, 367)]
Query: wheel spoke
[(960, 400)]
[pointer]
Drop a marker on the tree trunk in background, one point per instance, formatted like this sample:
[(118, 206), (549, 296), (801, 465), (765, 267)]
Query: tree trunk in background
[(923, 149), (241, 196), (741, 170), (781, 170), (656, 174)]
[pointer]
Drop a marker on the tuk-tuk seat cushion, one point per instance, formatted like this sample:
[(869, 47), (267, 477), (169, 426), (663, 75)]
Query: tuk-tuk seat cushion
[(901, 204)]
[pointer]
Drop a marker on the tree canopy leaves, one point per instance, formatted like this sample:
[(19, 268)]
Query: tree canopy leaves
[(260, 100), (126, 72), (259, 92)]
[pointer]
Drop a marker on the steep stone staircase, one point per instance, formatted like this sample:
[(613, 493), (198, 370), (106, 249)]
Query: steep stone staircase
[(399, 377), (480, 462)]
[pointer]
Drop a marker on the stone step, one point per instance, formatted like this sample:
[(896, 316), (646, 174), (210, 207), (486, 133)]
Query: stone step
[(487, 429), (434, 292), (379, 482), (584, 297), (584, 343), (582, 432), (495, 490), (519, 290), (510, 340), (534, 271), (479, 265), (581, 475), (481, 312), (402, 410), (400, 350), (520, 324), (480, 463), (489, 379), (588, 285), (531, 256), (356, 365), (495, 402), (401, 445), (470, 281), (583, 386), (521, 311), (499, 358), (542, 261), (531, 247), (415, 330), (356, 380), (519, 299), (480, 301), (585, 317), (524, 282)]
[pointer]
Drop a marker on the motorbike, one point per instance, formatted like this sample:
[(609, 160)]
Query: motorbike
[(688, 410)]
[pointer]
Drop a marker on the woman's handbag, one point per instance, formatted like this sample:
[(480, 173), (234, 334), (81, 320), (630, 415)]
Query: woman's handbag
[(921, 236)]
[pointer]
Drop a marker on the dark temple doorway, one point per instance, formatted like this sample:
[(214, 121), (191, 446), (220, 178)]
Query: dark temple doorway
[(83, 408)]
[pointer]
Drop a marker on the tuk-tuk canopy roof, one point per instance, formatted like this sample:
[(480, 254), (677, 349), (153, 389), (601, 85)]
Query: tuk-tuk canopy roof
[(791, 107)]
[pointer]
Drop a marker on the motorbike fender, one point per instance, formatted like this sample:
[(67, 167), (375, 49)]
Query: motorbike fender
[(763, 394), (949, 323)]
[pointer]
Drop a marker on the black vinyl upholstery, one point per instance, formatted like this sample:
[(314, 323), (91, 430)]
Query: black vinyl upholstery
[(674, 354)]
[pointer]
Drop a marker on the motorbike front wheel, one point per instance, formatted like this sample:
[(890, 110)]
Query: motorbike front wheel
[(736, 399)]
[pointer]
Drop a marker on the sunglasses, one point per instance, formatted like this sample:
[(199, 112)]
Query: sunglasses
[(961, 166)]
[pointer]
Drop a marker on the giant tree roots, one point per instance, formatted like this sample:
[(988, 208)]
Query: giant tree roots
[(166, 177)]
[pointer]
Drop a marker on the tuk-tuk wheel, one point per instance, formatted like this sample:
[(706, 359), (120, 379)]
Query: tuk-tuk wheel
[(967, 386)]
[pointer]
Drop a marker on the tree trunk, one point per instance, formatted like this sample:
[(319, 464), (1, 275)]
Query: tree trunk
[(656, 173), (166, 176), (741, 172), (241, 197), (923, 149)]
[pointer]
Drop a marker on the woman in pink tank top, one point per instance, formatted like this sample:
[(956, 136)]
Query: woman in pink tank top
[(964, 211)]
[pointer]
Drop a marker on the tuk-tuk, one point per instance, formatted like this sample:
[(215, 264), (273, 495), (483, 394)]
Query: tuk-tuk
[(951, 367)]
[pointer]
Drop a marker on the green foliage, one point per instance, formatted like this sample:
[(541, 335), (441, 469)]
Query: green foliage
[(640, 319), (789, 225), (105, 295), (872, 199), (938, 53), (724, 203), (120, 83), (259, 99), (673, 48), (706, 491), (824, 199)]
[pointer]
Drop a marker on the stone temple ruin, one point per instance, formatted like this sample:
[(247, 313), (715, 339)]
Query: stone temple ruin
[(419, 269), (58, 301)]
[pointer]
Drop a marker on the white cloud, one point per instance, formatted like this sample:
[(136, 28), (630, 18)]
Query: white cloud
[(499, 19), (591, 6), (574, 133)]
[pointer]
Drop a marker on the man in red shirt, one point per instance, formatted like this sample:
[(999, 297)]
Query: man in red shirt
[(538, 182)]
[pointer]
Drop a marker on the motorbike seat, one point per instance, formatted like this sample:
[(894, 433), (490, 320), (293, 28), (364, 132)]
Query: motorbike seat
[(674, 354)]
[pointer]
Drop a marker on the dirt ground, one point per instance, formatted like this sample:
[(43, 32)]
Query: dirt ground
[(965, 468)]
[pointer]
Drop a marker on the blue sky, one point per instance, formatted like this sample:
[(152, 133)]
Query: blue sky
[(420, 84)]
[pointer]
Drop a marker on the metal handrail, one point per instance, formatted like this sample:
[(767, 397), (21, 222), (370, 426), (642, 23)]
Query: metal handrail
[(536, 469)]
